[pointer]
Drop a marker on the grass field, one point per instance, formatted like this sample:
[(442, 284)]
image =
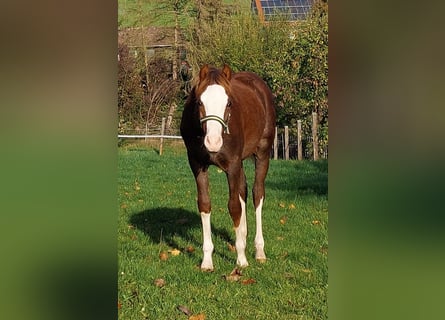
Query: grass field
[(133, 13), (159, 235)]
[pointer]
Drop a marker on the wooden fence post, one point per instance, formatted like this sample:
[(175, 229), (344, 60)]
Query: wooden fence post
[(275, 145), (299, 141), (286, 142), (315, 134), (162, 134)]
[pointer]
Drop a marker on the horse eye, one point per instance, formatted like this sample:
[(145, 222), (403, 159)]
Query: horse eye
[(229, 103)]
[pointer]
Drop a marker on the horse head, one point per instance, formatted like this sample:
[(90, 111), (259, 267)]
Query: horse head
[(213, 93)]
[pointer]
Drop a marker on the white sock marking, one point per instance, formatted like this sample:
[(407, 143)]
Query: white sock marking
[(241, 235), (207, 246), (259, 240)]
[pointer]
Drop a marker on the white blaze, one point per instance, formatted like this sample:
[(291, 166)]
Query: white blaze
[(214, 99)]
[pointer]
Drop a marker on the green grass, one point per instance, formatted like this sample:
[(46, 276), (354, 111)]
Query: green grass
[(158, 212), (133, 13)]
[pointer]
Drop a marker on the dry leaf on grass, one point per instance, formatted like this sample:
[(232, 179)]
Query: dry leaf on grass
[(283, 219), (248, 281), (174, 252), (159, 283), (163, 256), (184, 310), (234, 276), (231, 247), (199, 316), (189, 249)]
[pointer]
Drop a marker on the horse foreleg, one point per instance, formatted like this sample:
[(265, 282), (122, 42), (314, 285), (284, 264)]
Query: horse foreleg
[(241, 236), (204, 207), (207, 246), (237, 209)]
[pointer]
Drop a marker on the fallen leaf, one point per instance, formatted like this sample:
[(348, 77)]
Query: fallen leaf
[(199, 316), (190, 249), (184, 310), (231, 247), (248, 281), (119, 305), (283, 219), (281, 205), (280, 238), (163, 256), (314, 222), (159, 283), (291, 206), (234, 276), (175, 252)]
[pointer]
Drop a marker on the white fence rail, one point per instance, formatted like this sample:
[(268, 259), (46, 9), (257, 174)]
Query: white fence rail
[(284, 146), (147, 136)]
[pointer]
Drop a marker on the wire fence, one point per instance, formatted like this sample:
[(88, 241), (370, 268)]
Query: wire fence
[(286, 145)]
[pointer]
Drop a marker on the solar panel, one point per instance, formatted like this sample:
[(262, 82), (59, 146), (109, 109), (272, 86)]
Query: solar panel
[(296, 9)]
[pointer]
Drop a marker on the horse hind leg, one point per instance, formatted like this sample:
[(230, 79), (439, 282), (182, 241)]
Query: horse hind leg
[(261, 168)]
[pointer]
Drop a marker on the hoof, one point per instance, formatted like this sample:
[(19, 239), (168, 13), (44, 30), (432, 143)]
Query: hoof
[(242, 265), (206, 268), (261, 260)]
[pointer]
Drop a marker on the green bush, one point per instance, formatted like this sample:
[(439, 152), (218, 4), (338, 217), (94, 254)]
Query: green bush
[(292, 57)]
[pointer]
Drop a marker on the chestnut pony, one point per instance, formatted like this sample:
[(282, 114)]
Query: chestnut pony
[(227, 118)]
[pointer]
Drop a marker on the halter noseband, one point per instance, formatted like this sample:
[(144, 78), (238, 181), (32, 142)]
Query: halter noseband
[(220, 120)]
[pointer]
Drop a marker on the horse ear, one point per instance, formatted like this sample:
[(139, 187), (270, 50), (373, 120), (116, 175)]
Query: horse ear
[(203, 72), (227, 71)]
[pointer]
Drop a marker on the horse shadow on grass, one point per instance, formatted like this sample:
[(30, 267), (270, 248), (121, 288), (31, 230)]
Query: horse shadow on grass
[(178, 228)]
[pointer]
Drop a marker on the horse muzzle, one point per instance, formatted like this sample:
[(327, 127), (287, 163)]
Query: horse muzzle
[(213, 143)]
